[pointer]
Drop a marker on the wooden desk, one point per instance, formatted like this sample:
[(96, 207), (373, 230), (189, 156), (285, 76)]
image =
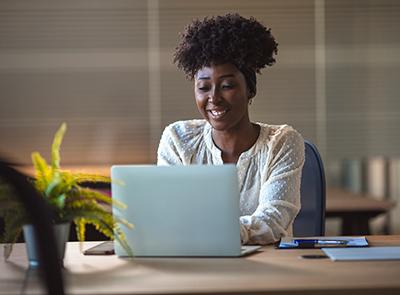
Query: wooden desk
[(354, 209), (269, 271)]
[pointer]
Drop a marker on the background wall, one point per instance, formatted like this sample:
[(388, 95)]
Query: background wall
[(105, 67)]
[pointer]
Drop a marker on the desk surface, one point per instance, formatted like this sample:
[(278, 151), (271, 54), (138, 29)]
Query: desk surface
[(269, 271)]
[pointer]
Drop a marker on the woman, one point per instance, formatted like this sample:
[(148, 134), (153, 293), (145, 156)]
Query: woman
[(222, 55)]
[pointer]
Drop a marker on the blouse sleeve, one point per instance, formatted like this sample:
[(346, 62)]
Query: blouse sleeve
[(279, 199), (167, 153)]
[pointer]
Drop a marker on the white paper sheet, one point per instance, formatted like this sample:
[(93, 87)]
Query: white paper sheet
[(368, 253)]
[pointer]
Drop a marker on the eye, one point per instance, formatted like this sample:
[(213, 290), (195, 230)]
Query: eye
[(203, 88), (227, 86)]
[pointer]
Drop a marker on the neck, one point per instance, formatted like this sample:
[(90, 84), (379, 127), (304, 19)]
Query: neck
[(233, 143)]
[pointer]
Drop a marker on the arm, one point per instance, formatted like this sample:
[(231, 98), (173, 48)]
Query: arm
[(167, 153), (279, 198)]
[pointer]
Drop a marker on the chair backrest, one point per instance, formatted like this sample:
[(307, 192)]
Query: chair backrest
[(311, 219)]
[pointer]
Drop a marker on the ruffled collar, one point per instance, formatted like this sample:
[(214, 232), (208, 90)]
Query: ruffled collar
[(216, 152)]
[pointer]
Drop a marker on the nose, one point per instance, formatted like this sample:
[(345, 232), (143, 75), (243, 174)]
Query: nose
[(214, 96)]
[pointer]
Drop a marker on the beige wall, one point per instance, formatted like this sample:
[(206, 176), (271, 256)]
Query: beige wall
[(105, 68)]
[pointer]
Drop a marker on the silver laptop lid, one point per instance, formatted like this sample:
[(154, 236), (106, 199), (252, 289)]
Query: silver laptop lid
[(179, 210)]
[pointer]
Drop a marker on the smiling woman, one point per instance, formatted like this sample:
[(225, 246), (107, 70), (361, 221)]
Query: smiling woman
[(222, 55), (222, 98)]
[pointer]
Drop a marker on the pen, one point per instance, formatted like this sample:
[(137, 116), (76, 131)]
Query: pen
[(319, 243)]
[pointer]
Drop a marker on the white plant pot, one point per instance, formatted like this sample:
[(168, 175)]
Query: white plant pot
[(61, 234)]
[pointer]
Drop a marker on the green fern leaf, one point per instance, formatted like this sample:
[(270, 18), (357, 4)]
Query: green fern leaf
[(42, 170), (80, 225), (52, 187), (55, 148), (98, 196), (123, 222), (86, 177), (105, 223), (13, 221), (121, 239), (58, 202), (86, 209), (112, 231)]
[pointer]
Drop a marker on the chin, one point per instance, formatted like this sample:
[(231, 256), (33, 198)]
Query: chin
[(220, 126)]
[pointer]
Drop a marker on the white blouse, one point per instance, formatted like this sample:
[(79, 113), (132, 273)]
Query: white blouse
[(269, 173)]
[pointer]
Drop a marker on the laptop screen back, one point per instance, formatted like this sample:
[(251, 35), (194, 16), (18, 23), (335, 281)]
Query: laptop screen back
[(179, 210)]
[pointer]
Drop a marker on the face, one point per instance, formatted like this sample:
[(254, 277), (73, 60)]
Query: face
[(222, 96)]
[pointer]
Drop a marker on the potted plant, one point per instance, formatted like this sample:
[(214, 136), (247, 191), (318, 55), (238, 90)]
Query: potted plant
[(70, 201)]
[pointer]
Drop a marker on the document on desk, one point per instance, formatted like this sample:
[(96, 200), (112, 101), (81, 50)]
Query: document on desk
[(370, 253), (322, 242)]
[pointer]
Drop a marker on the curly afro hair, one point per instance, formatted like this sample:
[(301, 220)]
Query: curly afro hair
[(225, 39)]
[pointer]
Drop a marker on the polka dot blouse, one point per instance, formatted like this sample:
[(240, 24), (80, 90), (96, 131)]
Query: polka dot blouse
[(269, 173)]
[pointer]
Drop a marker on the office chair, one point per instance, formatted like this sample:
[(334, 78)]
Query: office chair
[(311, 219), (40, 214)]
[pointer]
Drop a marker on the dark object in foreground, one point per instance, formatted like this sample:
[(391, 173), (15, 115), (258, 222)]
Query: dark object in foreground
[(40, 215)]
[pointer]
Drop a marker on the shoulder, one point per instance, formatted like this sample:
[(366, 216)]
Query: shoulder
[(282, 137), (185, 130), (179, 141), (187, 126), (184, 134), (284, 132)]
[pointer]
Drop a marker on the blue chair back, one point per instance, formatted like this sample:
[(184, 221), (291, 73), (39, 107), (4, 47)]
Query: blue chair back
[(311, 219)]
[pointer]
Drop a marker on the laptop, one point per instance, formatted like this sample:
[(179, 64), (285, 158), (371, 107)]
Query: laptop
[(184, 211)]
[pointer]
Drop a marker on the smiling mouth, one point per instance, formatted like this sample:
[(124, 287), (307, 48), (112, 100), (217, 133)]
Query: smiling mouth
[(217, 114)]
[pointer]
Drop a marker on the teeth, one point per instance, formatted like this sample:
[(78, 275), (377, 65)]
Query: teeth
[(218, 113)]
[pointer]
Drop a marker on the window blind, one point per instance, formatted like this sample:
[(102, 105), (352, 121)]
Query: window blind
[(105, 67)]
